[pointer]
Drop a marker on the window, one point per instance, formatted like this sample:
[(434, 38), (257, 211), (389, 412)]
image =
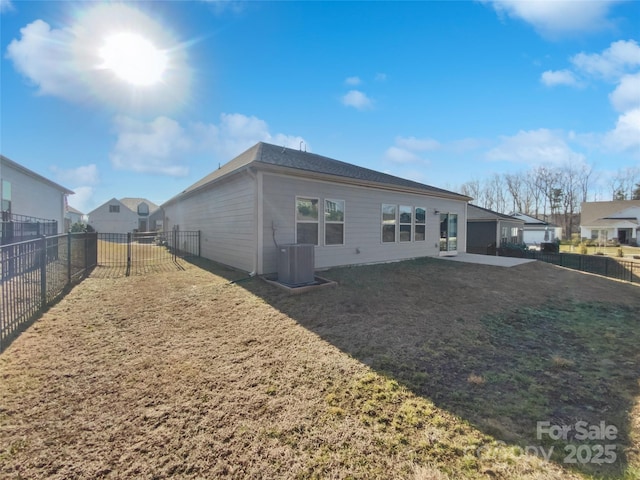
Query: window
[(143, 209), (504, 235), (114, 208), (6, 196), (419, 233), (515, 238), (333, 222), (307, 220), (389, 219), (406, 214)]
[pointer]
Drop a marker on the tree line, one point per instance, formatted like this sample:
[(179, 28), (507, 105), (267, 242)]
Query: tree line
[(550, 193)]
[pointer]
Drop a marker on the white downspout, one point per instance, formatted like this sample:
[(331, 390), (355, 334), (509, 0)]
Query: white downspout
[(258, 211)]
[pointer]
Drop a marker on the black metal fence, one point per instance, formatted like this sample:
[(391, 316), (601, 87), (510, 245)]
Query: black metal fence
[(35, 273), (611, 267), (18, 228), (139, 253)]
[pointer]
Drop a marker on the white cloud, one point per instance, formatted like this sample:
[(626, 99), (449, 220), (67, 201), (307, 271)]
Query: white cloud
[(625, 137), (83, 175), (621, 57), (353, 81), (417, 144), (155, 147), (82, 199), (553, 18), (551, 78), (626, 96), (64, 62), (5, 6), (407, 149), (358, 100), (43, 56), (163, 146), (401, 155), (236, 132), (534, 147)]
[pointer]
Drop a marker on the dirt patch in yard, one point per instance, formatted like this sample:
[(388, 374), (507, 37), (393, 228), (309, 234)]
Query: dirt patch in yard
[(423, 369)]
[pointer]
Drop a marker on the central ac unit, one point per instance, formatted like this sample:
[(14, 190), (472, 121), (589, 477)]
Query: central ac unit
[(296, 264)]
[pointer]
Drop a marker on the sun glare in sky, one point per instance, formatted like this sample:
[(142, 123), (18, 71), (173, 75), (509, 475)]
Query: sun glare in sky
[(133, 58)]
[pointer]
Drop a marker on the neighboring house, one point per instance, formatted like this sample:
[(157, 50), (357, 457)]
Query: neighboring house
[(617, 220), (270, 196), (29, 202), (123, 216), (536, 231), (72, 216), (487, 230)]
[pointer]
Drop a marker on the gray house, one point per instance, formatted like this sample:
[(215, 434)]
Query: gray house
[(269, 196), (487, 230), (123, 216)]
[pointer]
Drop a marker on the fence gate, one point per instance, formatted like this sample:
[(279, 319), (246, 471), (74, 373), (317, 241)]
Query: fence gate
[(140, 253)]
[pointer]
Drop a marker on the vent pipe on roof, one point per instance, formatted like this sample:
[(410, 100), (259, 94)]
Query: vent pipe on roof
[(305, 145)]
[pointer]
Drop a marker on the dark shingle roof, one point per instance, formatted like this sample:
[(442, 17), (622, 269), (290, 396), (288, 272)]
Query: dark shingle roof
[(474, 212), (273, 155)]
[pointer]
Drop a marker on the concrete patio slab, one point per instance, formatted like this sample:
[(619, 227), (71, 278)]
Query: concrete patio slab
[(488, 259)]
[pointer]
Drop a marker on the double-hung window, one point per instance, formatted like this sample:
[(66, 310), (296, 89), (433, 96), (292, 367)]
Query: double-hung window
[(333, 222), (389, 221), (406, 212), (307, 220), (419, 232)]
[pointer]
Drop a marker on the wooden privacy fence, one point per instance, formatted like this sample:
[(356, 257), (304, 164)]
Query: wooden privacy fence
[(35, 273)]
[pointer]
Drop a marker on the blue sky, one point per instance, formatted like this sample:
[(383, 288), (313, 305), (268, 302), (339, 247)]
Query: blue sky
[(439, 92)]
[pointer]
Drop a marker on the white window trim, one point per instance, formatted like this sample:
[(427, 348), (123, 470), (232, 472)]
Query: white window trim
[(343, 223), (296, 221), (395, 237), (411, 223), (415, 223)]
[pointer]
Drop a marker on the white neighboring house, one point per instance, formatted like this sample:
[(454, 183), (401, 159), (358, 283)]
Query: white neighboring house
[(72, 216), (270, 196), (617, 220), (536, 231), (123, 216), (27, 194)]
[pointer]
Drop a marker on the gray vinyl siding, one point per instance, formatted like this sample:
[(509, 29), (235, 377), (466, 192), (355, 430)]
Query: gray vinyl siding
[(362, 221), (225, 213)]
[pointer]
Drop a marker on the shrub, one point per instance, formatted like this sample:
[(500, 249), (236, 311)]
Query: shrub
[(583, 249), (80, 227), (513, 250), (619, 252)]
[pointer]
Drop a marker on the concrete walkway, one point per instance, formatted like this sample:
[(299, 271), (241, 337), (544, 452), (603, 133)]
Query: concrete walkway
[(488, 260)]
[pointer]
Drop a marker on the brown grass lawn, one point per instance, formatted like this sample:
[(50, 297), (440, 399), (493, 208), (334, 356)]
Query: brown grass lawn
[(426, 369)]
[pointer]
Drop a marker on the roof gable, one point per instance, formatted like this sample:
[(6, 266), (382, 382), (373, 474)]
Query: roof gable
[(132, 203)]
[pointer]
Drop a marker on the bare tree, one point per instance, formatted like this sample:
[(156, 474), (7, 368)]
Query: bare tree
[(622, 184), (471, 189)]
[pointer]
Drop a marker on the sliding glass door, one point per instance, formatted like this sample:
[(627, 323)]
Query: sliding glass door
[(448, 233)]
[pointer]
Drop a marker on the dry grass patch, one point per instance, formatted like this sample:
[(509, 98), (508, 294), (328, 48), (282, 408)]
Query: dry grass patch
[(184, 375)]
